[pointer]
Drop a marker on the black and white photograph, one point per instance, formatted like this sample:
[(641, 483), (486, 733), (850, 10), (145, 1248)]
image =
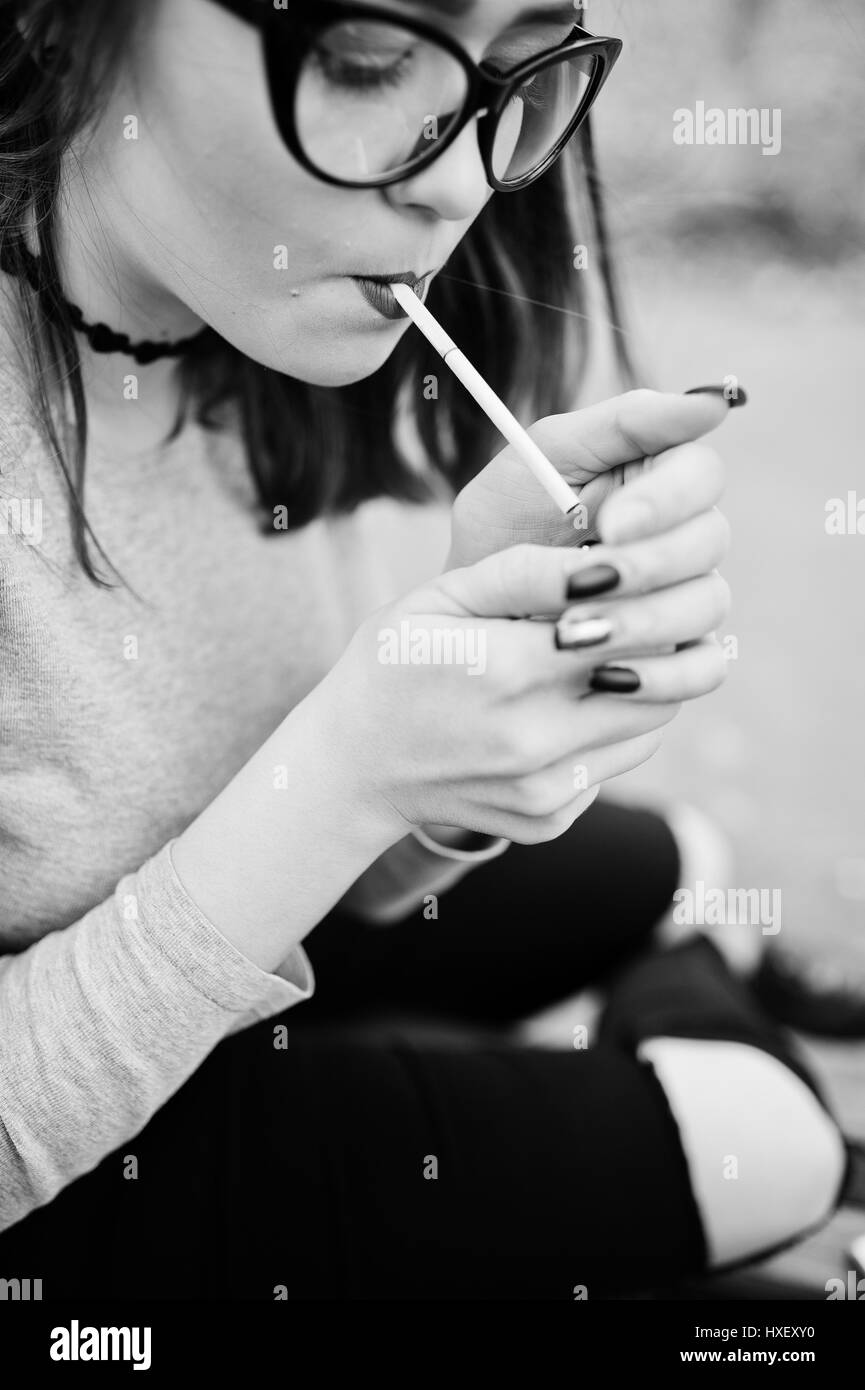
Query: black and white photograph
[(432, 525)]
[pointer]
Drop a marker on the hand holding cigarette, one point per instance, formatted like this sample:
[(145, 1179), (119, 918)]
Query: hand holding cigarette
[(626, 472), (548, 485), (503, 505)]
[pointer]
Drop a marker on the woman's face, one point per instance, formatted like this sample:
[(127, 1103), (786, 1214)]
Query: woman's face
[(196, 208)]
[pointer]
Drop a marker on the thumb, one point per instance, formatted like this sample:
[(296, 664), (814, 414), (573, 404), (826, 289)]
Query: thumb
[(626, 428), (523, 581)]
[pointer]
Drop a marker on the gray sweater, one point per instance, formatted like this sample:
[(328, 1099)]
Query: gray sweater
[(121, 717)]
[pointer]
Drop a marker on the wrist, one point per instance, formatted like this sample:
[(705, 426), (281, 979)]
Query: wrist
[(277, 848), (309, 743)]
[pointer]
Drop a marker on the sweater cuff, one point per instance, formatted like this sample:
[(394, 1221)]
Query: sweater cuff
[(179, 930)]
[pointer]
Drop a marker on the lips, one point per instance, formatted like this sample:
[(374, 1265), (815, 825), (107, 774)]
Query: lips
[(375, 290)]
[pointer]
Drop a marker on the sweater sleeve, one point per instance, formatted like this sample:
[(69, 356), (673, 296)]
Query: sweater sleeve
[(101, 1022)]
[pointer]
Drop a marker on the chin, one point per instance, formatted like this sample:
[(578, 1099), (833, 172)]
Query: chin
[(340, 375), (341, 363)]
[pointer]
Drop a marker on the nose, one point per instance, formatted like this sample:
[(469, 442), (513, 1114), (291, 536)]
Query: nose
[(454, 186)]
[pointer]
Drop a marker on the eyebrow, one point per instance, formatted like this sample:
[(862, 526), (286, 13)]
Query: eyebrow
[(458, 9)]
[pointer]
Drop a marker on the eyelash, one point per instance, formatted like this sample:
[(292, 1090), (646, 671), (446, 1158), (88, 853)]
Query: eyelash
[(530, 92), (362, 78), (532, 96)]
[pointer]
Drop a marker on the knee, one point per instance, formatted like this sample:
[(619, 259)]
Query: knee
[(765, 1158)]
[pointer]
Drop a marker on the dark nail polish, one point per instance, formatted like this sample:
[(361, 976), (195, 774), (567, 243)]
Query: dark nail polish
[(595, 579), (738, 397), (614, 680)]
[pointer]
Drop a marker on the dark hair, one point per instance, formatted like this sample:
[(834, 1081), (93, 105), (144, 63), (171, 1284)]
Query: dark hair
[(498, 297)]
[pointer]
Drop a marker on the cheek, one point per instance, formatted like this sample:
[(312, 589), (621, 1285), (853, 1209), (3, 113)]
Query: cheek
[(242, 215), (234, 187)]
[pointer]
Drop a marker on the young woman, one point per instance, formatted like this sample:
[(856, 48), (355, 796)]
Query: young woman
[(228, 464)]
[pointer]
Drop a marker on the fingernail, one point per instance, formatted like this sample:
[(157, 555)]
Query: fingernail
[(594, 579), (614, 680), (574, 630), (733, 395)]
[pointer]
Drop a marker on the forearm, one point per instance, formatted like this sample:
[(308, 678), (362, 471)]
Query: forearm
[(282, 843)]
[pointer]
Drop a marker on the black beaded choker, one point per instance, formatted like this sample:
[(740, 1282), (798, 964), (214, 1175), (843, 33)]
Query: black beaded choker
[(99, 335)]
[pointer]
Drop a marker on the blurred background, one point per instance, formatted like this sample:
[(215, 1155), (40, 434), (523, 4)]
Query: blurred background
[(736, 262)]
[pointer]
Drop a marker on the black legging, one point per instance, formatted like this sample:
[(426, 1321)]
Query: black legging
[(303, 1168)]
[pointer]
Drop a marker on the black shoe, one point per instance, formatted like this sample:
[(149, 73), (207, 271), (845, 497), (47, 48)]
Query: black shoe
[(811, 995)]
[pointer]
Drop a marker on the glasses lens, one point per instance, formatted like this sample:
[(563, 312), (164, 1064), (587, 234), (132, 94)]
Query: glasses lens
[(372, 98), (538, 113)]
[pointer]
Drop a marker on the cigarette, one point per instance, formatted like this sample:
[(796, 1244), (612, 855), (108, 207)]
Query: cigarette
[(495, 408)]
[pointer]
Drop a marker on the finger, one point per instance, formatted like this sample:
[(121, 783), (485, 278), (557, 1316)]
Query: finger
[(547, 790), (547, 727), (614, 760), (684, 675), (534, 830), (623, 430), (519, 582), (602, 719), (592, 497), (593, 633), (682, 483), (669, 617), (635, 470), (694, 548), (602, 487)]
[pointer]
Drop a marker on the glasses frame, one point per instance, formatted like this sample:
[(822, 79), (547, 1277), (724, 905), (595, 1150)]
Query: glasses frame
[(287, 36)]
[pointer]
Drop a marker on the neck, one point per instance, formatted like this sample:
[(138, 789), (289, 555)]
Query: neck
[(131, 406)]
